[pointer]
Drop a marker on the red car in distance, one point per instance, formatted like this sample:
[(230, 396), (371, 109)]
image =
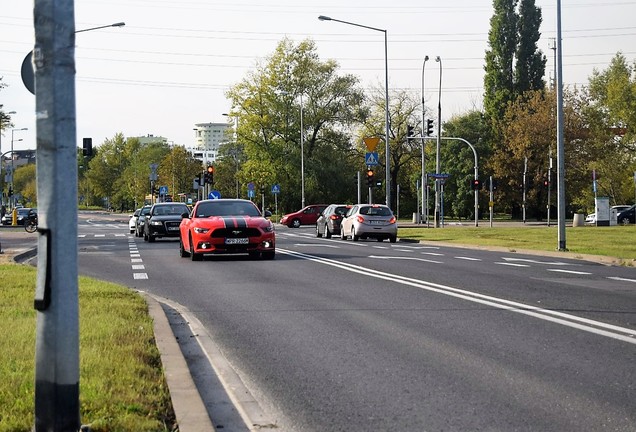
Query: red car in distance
[(226, 226)]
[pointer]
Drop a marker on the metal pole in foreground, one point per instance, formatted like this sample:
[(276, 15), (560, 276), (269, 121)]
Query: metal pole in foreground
[(560, 138), (56, 299), (423, 185), (439, 137)]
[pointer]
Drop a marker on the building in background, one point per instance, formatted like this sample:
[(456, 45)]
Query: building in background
[(209, 137)]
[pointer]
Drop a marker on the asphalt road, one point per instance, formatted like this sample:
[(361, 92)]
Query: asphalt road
[(359, 336)]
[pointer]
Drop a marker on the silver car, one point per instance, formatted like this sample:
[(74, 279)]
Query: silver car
[(369, 221)]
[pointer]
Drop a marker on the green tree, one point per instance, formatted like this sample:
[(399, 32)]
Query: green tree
[(268, 105), (530, 62), (177, 170), (499, 86), (24, 183)]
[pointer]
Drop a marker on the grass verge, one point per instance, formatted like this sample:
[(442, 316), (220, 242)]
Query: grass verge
[(615, 241), (122, 386)]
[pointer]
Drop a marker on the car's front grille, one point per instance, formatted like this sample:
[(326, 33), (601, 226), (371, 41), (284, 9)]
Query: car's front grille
[(235, 232), (172, 224)]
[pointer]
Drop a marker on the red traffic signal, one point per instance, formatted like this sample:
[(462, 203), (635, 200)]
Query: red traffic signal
[(475, 184)]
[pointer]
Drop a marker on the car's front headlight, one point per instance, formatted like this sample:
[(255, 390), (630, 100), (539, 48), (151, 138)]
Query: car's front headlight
[(200, 230), (269, 228), (156, 223)]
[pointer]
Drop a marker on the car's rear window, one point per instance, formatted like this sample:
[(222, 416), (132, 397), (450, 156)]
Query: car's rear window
[(375, 211), (341, 210)]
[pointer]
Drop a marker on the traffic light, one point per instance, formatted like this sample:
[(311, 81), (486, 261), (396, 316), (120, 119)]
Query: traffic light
[(429, 127), (87, 146), (475, 184), (546, 184), (410, 132), (370, 178), (209, 175), (10, 191), (153, 190)]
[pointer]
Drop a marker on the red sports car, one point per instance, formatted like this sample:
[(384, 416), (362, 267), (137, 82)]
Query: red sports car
[(226, 226)]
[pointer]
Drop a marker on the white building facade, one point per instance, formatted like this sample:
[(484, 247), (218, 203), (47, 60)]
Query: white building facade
[(209, 137)]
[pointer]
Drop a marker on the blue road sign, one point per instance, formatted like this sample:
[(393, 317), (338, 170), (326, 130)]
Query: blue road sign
[(215, 194), (250, 186), (250, 193), (371, 158), (163, 190), (439, 175), (276, 189)]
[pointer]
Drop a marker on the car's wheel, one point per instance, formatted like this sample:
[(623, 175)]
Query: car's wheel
[(354, 236), (269, 255), (295, 223), (393, 239), (182, 252), (193, 255), (327, 232), (343, 236), (625, 221), (318, 234)]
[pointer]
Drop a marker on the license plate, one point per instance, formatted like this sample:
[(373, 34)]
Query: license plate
[(173, 228), (231, 241), (376, 222)]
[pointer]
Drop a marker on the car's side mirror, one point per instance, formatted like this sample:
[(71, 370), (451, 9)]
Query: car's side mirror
[(268, 213), (185, 215)]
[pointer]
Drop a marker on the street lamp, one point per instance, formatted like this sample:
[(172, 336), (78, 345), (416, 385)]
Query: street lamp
[(422, 185), (2, 123), (235, 150), (437, 150), (12, 167), (119, 24), (386, 101)]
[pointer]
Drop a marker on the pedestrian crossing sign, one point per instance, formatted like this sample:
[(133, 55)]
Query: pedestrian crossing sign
[(371, 158)]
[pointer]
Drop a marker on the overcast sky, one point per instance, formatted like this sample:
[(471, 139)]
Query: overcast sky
[(170, 66)]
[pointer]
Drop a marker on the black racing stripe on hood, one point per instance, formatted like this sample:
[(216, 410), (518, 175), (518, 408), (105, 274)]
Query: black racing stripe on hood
[(235, 222)]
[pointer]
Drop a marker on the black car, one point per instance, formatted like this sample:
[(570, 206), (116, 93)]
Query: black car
[(164, 220), (328, 222), (22, 215), (627, 216), (139, 226)]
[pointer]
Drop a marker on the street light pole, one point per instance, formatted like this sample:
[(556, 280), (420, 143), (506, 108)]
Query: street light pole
[(1, 131), (302, 155), (439, 137), (386, 101), (12, 203), (422, 185)]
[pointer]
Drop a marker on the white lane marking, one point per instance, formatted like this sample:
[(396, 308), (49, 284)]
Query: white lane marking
[(120, 235), (467, 258), (384, 247), (531, 261), (512, 264), (432, 253), (140, 275), (81, 235), (596, 327), (314, 245), (403, 250), (132, 255), (405, 258), (136, 260), (138, 267), (568, 271), (100, 235), (621, 279)]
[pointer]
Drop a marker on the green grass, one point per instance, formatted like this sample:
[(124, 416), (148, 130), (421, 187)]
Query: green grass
[(122, 386), (615, 241)]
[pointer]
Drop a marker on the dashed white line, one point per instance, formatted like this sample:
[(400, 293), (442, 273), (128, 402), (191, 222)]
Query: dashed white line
[(136, 260), (569, 271), (138, 267), (467, 258), (621, 279), (512, 264), (140, 275)]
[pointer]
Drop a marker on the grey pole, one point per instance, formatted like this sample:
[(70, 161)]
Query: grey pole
[(437, 153), (387, 126), (423, 187), (560, 143), (302, 155), (56, 300)]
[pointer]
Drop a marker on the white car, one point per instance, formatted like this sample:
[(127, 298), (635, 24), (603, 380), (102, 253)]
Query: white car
[(591, 218), (132, 222), (369, 221)]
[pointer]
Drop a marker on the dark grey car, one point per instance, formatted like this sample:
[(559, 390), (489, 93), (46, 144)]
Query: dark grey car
[(328, 222)]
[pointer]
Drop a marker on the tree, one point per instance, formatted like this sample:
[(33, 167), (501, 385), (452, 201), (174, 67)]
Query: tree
[(499, 88), (530, 62), (268, 105), (177, 170), (24, 183)]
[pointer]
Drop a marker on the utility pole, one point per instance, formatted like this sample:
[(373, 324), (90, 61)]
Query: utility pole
[(56, 299)]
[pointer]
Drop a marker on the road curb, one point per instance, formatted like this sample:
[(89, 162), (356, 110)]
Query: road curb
[(192, 416)]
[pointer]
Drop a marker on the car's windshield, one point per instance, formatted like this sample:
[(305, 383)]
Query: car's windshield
[(229, 208), (375, 211), (170, 210), (144, 211)]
